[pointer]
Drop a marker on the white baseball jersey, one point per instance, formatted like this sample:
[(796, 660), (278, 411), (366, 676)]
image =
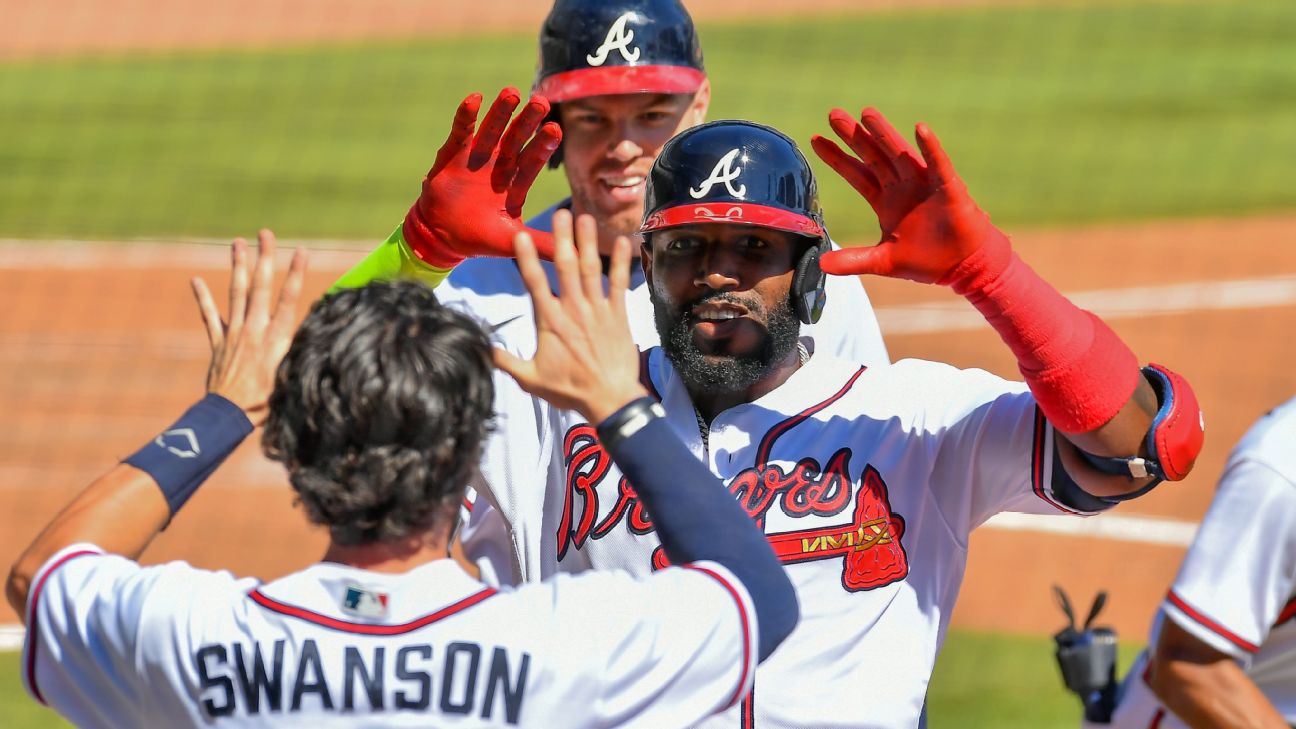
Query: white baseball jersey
[(492, 290), (866, 481), (1236, 589), (114, 644)]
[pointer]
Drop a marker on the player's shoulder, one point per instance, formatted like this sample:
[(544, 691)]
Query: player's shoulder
[(482, 278), (935, 393), (1269, 442), (922, 379)]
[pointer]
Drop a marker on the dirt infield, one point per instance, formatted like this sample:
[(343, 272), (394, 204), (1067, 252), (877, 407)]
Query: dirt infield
[(102, 345)]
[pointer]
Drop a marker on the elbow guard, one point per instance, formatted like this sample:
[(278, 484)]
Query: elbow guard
[(1174, 440), (1179, 428)]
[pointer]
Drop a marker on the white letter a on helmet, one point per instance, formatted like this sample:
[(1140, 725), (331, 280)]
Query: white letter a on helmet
[(724, 172), (618, 39)]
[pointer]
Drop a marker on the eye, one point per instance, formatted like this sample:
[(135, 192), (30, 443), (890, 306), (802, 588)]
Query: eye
[(751, 242), (655, 117), (587, 119), (683, 244)]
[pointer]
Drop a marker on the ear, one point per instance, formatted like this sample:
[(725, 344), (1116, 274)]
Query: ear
[(645, 259), (697, 111)]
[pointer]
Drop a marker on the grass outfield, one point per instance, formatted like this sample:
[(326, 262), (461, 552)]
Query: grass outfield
[(982, 681), (1054, 115)]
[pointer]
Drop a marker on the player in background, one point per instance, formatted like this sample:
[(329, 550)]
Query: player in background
[(378, 411), (1222, 651), (866, 480)]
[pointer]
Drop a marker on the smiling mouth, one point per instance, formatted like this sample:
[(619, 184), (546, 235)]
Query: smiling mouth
[(623, 183)]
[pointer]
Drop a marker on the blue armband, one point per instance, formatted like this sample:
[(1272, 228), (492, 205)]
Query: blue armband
[(185, 454)]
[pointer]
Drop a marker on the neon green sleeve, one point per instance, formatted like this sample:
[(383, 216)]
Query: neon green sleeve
[(392, 259)]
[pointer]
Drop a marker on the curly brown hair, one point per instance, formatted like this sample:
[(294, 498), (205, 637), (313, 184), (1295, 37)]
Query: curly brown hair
[(380, 409)]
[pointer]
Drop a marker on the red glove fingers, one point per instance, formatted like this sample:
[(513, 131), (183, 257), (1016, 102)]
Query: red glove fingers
[(492, 127), (510, 146), (852, 170), (461, 132), (471, 201), (530, 162)]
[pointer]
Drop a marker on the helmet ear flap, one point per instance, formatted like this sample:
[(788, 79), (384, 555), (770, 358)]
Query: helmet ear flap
[(554, 116), (808, 283)]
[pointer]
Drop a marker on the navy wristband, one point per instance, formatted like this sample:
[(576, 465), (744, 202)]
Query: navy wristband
[(185, 454)]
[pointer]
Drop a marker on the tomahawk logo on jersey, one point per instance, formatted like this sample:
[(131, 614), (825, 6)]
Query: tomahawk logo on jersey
[(111, 643), (867, 481)]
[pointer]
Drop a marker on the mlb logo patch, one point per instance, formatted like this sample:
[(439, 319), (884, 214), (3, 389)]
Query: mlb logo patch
[(365, 603)]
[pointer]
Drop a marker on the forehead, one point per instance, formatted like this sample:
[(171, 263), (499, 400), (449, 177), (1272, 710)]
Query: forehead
[(626, 103)]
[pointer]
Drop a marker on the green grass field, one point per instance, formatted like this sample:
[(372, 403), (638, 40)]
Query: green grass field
[(1053, 115), (982, 681)]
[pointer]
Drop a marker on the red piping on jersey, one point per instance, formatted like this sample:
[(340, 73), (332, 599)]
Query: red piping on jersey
[(1287, 613), (293, 611), (1037, 464), (1213, 626), (746, 629), (33, 630), (767, 443), (1156, 719), (748, 711)]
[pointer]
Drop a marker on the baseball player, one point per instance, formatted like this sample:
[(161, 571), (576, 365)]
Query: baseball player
[(865, 479), (378, 411), (1223, 647)]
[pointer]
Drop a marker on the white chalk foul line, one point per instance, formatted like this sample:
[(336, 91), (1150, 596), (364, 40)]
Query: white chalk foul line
[(1123, 303), (193, 254), (1155, 530), (11, 637)]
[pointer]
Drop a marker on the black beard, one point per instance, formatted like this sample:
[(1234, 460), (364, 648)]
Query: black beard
[(725, 373)]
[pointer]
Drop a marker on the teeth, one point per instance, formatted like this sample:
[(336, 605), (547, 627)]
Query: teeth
[(718, 315), (623, 181)]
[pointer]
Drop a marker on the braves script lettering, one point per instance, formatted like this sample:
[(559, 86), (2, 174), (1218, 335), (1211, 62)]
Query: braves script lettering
[(870, 543), (618, 39), (724, 172)]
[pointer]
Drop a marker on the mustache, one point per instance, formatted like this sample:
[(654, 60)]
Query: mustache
[(752, 304)]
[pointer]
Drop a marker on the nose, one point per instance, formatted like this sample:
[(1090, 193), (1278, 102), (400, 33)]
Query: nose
[(717, 271), (626, 149)]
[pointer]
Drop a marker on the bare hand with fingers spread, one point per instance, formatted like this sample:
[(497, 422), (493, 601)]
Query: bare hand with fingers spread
[(247, 349), (585, 358), (472, 198)]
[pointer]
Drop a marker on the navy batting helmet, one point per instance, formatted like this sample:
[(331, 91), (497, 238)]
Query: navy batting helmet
[(597, 47), (742, 173)]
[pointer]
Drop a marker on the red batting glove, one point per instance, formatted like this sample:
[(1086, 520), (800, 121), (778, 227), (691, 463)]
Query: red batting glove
[(472, 198), (930, 224)]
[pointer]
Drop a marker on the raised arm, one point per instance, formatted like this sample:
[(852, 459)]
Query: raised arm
[(471, 200), (123, 510), (586, 361), (1123, 430)]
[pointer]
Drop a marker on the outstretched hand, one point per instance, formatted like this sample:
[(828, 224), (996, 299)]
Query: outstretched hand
[(247, 349), (585, 358), (471, 203), (930, 225)]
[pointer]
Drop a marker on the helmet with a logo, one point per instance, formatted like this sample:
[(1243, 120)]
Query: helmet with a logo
[(598, 47), (742, 173)]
